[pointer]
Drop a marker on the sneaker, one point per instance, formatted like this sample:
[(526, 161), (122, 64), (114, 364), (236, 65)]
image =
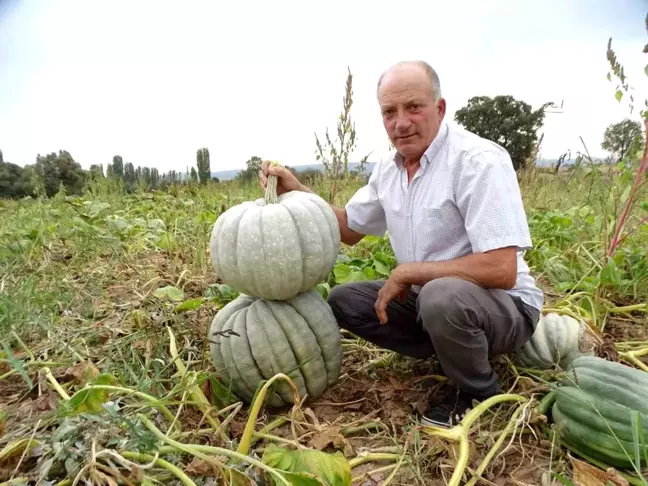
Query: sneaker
[(449, 411)]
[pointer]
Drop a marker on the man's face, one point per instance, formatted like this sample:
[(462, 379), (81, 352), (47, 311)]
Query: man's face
[(410, 115)]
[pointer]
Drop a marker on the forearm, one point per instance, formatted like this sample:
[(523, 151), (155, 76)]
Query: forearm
[(491, 270), (347, 235)]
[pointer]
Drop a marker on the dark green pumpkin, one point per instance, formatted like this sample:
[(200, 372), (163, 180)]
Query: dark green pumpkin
[(252, 339)]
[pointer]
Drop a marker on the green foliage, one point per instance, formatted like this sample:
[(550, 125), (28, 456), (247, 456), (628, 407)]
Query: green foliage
[(118, 166), (623, 138), (203, 164), (251, 171), (308, 467), (506, 121), (56, 170), (15, 181), (334, 155)]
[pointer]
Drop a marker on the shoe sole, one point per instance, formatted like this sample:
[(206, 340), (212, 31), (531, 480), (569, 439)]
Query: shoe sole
[(433, 423)]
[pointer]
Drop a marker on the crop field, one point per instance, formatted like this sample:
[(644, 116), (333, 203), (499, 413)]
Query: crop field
[(105, 374)]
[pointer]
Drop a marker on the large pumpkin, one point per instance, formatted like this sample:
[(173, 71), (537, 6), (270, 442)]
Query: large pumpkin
[(594, 407), (557, 341), (252, 339), (275, 248)]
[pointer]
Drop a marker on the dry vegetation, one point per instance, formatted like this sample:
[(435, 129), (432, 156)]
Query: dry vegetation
[(93, 289)]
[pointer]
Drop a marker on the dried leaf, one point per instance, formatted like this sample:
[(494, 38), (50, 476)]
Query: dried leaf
[(331, 436), (199, 467), (82, 373), (587, 475)]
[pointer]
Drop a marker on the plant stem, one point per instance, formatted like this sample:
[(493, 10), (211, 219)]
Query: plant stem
[(128, 391), (177, 472), (459, 433), (217, 450), (55, 384), (373, 457), (489, 457), (244, 446), (194, 390)]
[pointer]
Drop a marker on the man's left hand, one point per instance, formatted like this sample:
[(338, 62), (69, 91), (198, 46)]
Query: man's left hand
[(395, 286)]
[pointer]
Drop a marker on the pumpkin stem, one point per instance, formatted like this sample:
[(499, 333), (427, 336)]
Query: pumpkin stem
[(271, 187)]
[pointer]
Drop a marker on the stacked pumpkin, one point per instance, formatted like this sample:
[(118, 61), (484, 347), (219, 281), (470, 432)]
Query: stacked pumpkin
[(274, 251)]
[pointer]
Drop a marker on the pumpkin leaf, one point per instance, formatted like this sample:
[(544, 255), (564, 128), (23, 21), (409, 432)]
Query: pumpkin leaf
[(380, 267), (169, 292), (308, 467), (90, 399), (324, 289), (191, 304)]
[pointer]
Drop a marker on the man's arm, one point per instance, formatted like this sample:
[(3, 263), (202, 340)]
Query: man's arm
[(347, 235), (495, 269), (288, 182)]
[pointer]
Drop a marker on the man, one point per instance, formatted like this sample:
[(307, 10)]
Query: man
[(451, 204)]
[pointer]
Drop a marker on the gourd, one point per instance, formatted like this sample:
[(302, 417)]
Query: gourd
[(557, 340), (593, 410), (276, 247), (252, 339)]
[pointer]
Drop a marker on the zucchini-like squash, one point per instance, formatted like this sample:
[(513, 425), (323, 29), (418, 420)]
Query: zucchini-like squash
[(594, 406), (253, 339), (556, 341), (275, 248)]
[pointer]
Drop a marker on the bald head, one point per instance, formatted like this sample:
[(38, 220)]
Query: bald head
[(412, 70), (409, 95)]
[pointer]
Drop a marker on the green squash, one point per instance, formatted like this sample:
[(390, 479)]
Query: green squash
[(276, 250), (557, 341), (593, 410), (252, 339)]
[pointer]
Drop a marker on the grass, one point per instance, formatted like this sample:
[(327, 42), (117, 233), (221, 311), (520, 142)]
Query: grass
[(105, 377)]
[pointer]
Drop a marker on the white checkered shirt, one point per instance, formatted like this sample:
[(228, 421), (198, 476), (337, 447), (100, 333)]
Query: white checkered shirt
[(463, 199)]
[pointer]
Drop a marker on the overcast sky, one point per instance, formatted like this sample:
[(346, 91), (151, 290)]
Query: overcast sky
[(154, 81)]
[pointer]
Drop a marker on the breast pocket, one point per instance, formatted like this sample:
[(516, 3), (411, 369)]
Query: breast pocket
[(439, 229)]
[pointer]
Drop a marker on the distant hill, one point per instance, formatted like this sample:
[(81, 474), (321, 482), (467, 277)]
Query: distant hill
[(228, 175)]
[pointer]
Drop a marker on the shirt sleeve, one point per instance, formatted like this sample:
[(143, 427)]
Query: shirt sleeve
[(365, 213), (488, 196)]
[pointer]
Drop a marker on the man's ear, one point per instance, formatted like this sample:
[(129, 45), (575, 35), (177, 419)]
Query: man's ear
[(441, 108)]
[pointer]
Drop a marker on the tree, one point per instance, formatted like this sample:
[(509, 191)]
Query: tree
[(130, 178), (96, 171), (202, 162), (194, 175), (506, 121), (620, 137), (253, 166), (14, 180), (59, 169), (118, 167)]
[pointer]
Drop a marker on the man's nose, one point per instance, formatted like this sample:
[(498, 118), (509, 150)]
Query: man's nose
[(402, 122)]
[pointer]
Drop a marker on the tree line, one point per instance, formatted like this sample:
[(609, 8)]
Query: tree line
[(511, 123), (54, 171)]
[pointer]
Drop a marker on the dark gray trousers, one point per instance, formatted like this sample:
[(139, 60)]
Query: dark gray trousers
[(462, 324)]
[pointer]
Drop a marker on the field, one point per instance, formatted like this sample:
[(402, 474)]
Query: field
[(117, 290)]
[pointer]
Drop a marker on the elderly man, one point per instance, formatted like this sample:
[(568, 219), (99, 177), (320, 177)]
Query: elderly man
[(451, 205)]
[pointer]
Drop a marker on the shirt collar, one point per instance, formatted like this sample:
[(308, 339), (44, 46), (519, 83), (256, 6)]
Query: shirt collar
[(431, 151)]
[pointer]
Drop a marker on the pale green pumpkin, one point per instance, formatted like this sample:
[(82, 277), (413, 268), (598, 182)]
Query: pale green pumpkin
[(252, 339), (557, 341), (275, 248)]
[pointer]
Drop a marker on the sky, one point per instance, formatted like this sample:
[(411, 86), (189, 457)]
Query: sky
[(153, 81)]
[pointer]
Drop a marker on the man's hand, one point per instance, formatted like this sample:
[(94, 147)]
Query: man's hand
[(286, 180), (395, 286)]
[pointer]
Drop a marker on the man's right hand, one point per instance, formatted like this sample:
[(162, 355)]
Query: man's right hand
[(286, 180)]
